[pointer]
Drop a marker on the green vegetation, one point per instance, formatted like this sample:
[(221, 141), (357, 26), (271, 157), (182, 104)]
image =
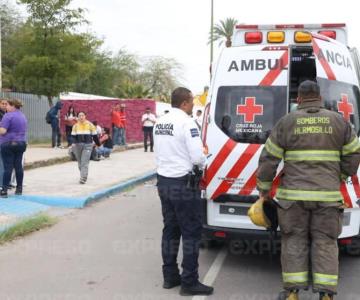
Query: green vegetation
[(26, 226), (223, 31), (46, 54)]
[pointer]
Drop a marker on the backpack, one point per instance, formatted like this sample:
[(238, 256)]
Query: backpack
[(48, 117)]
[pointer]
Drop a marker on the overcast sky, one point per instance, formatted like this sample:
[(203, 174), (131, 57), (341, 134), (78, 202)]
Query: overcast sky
[(179, 28)]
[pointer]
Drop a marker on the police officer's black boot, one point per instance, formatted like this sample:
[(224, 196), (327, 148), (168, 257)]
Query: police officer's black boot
[(196, 289), (169, 284)]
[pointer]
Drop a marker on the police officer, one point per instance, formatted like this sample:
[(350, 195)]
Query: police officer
[(319, 149), (178, 149)]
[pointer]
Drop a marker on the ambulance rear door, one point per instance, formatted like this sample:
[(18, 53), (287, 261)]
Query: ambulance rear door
[(339, 86), (249, 95)]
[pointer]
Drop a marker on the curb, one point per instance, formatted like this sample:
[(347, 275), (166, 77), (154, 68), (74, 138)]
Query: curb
[(81, 202), (64, 159), (119, 188)]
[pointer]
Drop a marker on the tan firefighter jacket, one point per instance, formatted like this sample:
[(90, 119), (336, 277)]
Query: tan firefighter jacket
[(319, 149)]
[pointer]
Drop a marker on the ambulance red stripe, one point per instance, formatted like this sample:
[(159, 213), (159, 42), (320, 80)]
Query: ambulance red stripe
[(345, 194), (249, 186), (329, 73), (273, 74), (355, 181), (275, 185), (235, 171), (219, 160)]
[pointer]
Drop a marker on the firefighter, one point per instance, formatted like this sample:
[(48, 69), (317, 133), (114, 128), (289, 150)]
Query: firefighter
[(319, 149), (178, 151)]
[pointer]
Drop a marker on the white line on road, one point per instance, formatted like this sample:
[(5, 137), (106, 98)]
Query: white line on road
[(214, 270)]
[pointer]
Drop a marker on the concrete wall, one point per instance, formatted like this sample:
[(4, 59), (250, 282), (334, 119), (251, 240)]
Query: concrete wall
[(100, 111)]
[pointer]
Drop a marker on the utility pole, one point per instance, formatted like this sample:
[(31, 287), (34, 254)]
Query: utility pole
[(212, 35)]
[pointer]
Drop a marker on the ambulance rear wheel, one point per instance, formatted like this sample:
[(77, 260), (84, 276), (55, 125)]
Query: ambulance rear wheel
[(354, 248)]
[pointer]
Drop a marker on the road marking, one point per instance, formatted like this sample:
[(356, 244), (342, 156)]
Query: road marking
[(214, 270)]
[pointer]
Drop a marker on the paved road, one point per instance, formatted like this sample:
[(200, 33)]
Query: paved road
[(111, 251)]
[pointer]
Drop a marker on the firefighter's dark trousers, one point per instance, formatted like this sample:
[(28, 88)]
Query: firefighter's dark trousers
[(309, 249), (181, 210)]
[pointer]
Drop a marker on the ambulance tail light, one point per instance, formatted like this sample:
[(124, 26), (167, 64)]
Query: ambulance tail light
[(253, 37), (220, 234), (276, 36), (329, 33), (302, 37), (347, 241)]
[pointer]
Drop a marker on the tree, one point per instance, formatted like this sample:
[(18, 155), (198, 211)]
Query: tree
[(11, 21), (101, 79), (53, 56), (160, 76), (223, 31)]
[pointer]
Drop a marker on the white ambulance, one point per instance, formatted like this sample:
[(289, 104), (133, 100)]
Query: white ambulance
[(254, 84)]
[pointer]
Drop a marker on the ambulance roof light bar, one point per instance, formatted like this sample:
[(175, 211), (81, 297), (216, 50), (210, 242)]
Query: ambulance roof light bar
[(253, 37), (295, 26), (329, 33)]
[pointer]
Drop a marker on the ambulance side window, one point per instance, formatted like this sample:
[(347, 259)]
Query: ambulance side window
[(343, 98), (247, 114)]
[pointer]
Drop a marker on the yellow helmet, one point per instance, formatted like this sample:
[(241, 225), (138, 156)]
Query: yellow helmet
[(257, 214)]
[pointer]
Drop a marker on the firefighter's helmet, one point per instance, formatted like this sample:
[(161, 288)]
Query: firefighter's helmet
[(263, 213)]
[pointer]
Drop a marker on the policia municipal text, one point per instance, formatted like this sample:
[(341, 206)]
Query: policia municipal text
[(178, 151), (311, 206)]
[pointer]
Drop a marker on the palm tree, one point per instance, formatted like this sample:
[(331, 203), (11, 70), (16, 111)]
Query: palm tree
[(224, 30)]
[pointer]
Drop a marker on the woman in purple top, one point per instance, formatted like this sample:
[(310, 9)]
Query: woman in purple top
[(13, 129)]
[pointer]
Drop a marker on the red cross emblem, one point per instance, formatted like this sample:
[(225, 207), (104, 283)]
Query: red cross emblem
[(250, 109), (345, 107)]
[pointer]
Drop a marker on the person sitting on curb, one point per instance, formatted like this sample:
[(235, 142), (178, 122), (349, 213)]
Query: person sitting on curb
[(83, 134), (106, 144)]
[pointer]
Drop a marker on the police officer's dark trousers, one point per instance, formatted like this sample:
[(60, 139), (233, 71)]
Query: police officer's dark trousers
[(181, 209)]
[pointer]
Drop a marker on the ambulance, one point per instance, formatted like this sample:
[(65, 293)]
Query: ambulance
[(254, 83)]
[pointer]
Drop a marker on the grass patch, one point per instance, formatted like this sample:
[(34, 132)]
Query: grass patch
[(26, 226)]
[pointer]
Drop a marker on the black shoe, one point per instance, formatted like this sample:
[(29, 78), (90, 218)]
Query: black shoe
[(169, 284), (145, 150), (18, 190), (152, 150), (3, 193), (197, 289)]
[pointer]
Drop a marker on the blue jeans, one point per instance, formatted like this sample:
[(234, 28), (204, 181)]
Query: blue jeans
[(12, 155), (56, 135), (104, 151), (1, 169), (119, 136), (122, 137), (115, 135)]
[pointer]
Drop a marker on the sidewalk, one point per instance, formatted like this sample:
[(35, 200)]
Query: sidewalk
[(36, 157), (58, 185)]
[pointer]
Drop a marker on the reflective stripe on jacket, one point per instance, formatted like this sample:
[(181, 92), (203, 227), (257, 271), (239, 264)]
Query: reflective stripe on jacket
[(319, 149)]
